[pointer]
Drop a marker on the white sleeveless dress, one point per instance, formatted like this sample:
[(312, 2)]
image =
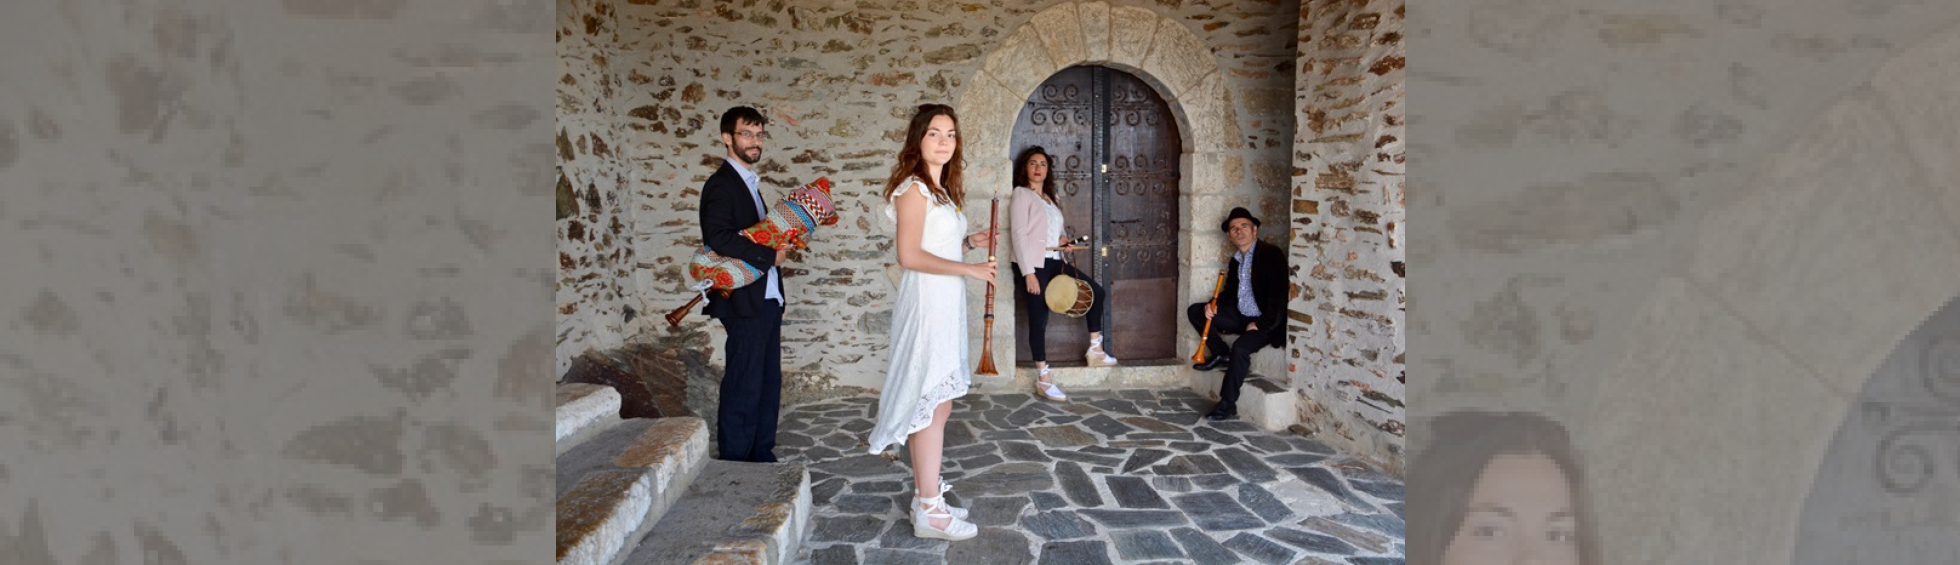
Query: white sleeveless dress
[(928, 336)]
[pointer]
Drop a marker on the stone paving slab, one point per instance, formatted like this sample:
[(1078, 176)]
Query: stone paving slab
[(1262, 502), (1369, 541), (1132, 476), (1139, 545), (1075, 553), (996, 510), (1134, 492), (1260, 550), (1203, 549), (1216, 511)]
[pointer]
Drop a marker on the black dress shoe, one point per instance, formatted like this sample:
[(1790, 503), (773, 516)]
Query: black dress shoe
[(1223, 411), (1214, 363)]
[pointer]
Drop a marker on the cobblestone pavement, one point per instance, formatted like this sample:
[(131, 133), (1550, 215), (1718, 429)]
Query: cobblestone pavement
[(1131, 476)]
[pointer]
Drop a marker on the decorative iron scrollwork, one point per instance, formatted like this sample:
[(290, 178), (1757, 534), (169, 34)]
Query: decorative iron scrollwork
[(1939, 366), (1909, 457)]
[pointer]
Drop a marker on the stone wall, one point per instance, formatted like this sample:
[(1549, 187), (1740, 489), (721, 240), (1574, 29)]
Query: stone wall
[(837, 80), (1347, 337), (595, 251)]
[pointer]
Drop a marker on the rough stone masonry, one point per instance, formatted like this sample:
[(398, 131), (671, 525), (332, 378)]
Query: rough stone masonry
[(644, 81)]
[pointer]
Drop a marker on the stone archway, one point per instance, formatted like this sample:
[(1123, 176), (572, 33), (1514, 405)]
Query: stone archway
[(1163, 53), (1709, 432)]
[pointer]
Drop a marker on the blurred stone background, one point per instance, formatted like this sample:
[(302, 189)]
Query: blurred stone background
[(277, 282), (1694, 232)]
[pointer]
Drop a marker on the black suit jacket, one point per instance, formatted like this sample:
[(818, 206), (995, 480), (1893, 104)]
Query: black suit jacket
[(1269, 289), (726, 210)]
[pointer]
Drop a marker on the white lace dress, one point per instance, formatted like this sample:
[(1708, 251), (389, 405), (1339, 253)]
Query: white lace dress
[(928, 336)]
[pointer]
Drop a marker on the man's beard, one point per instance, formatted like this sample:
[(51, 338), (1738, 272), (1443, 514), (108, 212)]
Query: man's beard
[(743, 154)]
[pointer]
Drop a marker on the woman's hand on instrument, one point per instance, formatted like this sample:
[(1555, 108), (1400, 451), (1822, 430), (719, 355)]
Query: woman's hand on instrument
[(977, 241), (983, 272), (1034, 285), (1211, 310)]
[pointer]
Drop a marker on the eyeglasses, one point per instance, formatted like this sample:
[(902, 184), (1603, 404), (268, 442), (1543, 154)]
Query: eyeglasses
[(746, 136), (1242, 227)]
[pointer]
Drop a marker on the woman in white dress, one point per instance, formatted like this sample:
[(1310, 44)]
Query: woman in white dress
[(1037, 225), (929, 365)]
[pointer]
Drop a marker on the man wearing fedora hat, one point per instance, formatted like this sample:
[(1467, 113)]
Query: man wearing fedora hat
[(1251, 303)]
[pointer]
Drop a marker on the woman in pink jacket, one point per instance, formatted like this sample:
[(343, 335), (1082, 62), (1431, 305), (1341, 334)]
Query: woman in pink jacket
[(1037, 225)]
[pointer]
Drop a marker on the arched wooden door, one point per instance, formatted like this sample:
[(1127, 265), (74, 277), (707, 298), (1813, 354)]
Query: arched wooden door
[(1115, 146)]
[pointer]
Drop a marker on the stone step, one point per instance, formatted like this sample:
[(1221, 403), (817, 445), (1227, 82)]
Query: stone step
[(747, 513), (1119, 377), (1073, 378), (1262, 401), (1268, 404), (615, 485), (584, 409)]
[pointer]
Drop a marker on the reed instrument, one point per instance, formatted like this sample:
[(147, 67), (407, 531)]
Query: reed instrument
[(987, 343), (1076, 244), (674, 318), (1205, 336), (797, 215)]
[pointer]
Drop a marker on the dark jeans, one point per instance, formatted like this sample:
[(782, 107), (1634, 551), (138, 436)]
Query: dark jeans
[(1036, 309), (1229, 321), (752, 386)]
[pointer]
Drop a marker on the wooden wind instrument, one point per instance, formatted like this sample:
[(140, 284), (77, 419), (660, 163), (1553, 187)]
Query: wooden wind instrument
[(1205, 336), (674, 318), (987, 343)]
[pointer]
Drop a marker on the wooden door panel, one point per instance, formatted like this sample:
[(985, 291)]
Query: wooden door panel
[(1060, 117), (1115, 148), (1143, 154)]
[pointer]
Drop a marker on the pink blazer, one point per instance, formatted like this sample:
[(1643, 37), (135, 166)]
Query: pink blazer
[(1030, 229)]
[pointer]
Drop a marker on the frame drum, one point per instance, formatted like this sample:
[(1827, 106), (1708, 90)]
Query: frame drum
[(1069, 296)]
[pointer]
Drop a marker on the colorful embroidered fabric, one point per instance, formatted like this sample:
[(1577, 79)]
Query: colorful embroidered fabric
[(790, 221)]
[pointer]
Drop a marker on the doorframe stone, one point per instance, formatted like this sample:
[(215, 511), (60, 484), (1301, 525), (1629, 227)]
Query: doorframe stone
[(1710, 430), (1164, 54)]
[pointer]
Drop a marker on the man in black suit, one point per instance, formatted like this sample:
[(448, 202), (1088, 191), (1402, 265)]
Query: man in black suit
[(1252, 303), (752, 385)]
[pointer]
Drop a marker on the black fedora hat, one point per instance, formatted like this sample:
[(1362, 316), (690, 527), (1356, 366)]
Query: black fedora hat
[(1237, 213)]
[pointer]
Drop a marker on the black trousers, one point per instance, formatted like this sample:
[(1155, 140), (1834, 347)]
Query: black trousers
[(1036, 308), (752, 386), (1229, 321)]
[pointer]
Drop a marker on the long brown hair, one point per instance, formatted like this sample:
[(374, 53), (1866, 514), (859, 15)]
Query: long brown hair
[(1461, 445), (912, 160), (1047, 181)]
